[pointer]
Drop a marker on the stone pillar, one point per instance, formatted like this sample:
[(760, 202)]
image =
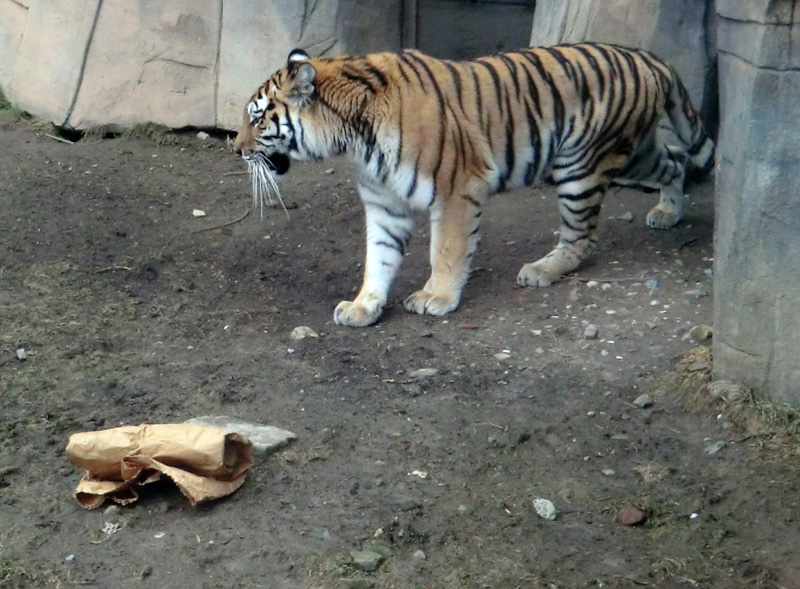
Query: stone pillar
[(757, 235)]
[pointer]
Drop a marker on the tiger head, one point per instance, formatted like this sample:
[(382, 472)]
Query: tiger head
[(271, 131)]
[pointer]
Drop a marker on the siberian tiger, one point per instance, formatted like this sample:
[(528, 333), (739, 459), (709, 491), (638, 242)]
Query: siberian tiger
[(443, 135)]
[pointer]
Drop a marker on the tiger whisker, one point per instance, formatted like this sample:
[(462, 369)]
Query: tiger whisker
[(263, 185)]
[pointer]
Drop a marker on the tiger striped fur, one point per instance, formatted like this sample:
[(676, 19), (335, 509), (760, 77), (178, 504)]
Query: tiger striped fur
[(442, 135)]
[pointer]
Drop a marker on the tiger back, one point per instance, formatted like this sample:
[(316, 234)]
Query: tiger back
[(443, 135)]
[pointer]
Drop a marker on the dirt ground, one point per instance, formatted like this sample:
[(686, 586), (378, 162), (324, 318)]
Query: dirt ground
[(131, 310)]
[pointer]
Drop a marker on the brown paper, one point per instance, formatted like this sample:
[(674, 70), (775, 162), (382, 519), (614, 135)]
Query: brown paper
[(204, 462)]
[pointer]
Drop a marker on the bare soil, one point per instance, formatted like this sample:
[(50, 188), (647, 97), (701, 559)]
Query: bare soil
[(133, 311)]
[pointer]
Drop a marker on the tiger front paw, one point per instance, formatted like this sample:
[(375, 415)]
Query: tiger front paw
[(426, 303), (353, 314), (537, 274)]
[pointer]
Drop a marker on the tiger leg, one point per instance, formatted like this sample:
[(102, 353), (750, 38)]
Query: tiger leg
[(454, 241), (389, 225), (579, 206), (661, 167), (669, 210)]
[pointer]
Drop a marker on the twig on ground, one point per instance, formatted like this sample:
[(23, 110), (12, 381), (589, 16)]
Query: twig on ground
[(112, 268), (237, 220), (61, 139)]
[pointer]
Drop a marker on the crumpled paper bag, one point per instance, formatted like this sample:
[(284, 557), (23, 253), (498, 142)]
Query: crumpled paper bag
[(204, 462)]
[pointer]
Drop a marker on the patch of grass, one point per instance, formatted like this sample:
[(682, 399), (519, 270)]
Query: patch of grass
[(161, 134), (10, 572), (774, 425)]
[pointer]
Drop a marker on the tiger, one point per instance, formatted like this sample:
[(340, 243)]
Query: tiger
[(442, 136)]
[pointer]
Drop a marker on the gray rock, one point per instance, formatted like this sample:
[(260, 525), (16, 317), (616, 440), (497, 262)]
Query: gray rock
[(419, 555), (366, 560), (698, 292), (22, 355), (590, 332), (713, 449), (643, 401), (266, 439)]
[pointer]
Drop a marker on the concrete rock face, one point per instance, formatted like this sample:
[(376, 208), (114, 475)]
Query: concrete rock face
[(757, 258), (684, 37), (86, 63)]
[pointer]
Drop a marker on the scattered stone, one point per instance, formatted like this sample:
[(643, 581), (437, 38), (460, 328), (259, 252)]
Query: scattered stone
[(419, 555), (329, 171), (366, 560), (651, 324), (605, 286), (423, 373), (70, 558), (709, 272), (626, 217), (303, 332), (701, 332), (609, 472), (590, 332), (713, 449), (22, 355), (423, 474), (502, 356), (631, 515), (202, 135), (643, 401), (698, 292), (652, 284), (266, 439), (198, 213), (545, 509)]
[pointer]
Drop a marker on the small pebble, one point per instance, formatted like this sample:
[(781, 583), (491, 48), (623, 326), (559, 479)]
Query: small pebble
[(714, 448), (590, 332), (609, 472), (545, 509), (202, 135), (643, 401), (698, 292), (21, 354), (70, 558), (198, 213), (626, 217), (631, 515), (420, 555), (701, 332), (424, 373), (303, 332), (502, 356)]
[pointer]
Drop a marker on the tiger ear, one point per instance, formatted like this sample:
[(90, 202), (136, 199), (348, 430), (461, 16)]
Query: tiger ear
[(297, 55), (303, 76)]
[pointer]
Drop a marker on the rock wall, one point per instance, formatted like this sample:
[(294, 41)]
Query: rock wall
[(757, 257), (684, 37), (179, 63)]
